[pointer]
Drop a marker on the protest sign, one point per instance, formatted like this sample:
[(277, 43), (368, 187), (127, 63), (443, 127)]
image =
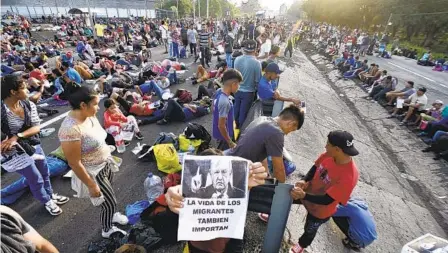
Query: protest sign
[(216, 198)]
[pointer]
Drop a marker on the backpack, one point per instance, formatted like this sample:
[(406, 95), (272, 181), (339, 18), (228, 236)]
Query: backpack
[(146, 151), (183, 96), (194, 131), (167, 158)]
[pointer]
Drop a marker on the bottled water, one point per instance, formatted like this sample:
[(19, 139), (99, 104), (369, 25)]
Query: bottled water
[(119, 142), (191, 149), (153, 187)]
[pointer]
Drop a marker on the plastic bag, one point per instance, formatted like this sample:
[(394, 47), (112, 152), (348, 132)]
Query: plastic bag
[(166, 157), (145, 236), (133, 211), (107, 245)]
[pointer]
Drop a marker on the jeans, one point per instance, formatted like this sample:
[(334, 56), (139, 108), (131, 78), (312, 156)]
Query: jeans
[(278, 107), (174, 111), (229, 60), (312, 224), (151, 86), (170, 49), (175, 49), (243, 101), (193, 48), (438, 134), (38, 178), (382, 94)]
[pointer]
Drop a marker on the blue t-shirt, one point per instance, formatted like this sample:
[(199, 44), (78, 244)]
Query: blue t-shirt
[(123, 62), (74, 75), (250, 69), (200, 111), (265, 89), (351, 61), (362, 228)]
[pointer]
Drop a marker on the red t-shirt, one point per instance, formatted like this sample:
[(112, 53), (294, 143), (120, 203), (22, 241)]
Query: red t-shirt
[(336, 180), (137, 110), (36, 73)]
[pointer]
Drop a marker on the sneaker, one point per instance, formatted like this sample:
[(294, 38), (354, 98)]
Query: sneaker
[(59, 199), (139, 136), (390, 116), (112, 230), (403, 123), (120, 219), (264, 217), (348, 244), (127, 143), (162, 122), (296, 249), (52, 208)]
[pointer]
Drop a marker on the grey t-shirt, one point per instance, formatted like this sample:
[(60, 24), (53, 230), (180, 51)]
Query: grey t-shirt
[(262, 138), (224, 106), (13, 228)]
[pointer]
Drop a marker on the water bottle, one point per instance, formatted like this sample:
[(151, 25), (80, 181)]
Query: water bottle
[(191, 149), (119, 143), (153, 187)]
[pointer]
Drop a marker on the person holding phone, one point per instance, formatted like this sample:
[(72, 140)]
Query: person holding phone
[(83, 144)]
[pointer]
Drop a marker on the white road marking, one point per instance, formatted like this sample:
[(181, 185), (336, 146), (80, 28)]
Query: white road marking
[(53, 120), (422, 76)]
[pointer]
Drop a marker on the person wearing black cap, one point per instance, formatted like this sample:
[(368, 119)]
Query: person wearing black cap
[(329, 182), (268, 92), (414, 105), (250, 68)]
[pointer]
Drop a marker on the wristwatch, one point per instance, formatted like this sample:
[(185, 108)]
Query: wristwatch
[(20, 135)]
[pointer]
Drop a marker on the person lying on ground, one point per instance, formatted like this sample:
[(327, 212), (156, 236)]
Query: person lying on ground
[(156, 86), (19, 236), (357, 224), (268, 86), (404, 93), (414, 105), (432, 114), (115, 120), (201, 75), (319, 197), (130, 106), (174, 199), (182, 113)]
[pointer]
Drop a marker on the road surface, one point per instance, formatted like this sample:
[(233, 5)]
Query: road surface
[(403, 209)]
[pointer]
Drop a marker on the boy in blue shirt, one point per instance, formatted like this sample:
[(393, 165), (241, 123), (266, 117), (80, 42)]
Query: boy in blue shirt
[(268, 92)]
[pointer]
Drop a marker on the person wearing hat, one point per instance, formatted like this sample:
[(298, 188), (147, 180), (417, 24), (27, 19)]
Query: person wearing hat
[(250, 68), (268, 92), (414, 105), (432, 114), (328, 183)]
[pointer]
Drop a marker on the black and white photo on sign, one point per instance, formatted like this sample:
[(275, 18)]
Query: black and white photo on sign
[(216, 197), (214, 178)]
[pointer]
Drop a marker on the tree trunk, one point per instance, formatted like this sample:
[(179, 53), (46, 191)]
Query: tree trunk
[(394, 31), (429, 38), (409, 32)]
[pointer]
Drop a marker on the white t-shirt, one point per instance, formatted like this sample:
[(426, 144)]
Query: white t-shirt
[(265, 48), (422, 100), (163, 30)]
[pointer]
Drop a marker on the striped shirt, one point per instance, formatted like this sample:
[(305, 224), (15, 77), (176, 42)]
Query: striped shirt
[(15, 122), (203, 39)]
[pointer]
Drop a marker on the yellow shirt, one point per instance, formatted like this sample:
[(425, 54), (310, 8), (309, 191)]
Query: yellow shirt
[(99, 30)]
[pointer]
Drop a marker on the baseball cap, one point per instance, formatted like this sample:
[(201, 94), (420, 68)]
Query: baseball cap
[(422, 89), (438, 102), (344, 141), (273, 68), (250, 45)]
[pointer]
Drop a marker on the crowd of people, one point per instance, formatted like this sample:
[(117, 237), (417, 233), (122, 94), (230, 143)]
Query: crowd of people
[(410, 104), (135, 91)]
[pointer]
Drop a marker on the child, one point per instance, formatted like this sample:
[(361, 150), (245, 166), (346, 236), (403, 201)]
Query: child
[(113, 117)]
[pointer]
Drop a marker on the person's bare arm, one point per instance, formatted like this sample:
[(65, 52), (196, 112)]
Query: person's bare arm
[(279, 168), (223, 130), (42, 244), (277, 96)]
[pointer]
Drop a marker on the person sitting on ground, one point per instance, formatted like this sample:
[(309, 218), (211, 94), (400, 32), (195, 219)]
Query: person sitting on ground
[(71, 73), (67, 57), (377, 81), (83, 70), (357, 223), (348, 64), (358, 69), (370, 79), (379, 91), (186, 112), (268, 87), (175, 201), (208, 91), (426, 59), (438, 145), (404, 93), (370, 72), (201, 75), (114, 119), (432, 114), (414, 105)]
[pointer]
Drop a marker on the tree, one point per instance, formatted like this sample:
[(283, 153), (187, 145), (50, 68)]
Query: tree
[(295, 9), (185, 7)]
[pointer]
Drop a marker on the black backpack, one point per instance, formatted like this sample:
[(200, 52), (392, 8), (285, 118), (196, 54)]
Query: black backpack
[(196, 131)]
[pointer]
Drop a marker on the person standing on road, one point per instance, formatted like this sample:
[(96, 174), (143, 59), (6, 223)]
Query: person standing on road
[(228, 47), (223, 121), (20, 123), (192, 34), (83, 144), (164, 30), (250, 68), (328, 183), (204, 44)]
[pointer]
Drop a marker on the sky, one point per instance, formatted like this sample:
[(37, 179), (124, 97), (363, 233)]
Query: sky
[(269, 4)]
